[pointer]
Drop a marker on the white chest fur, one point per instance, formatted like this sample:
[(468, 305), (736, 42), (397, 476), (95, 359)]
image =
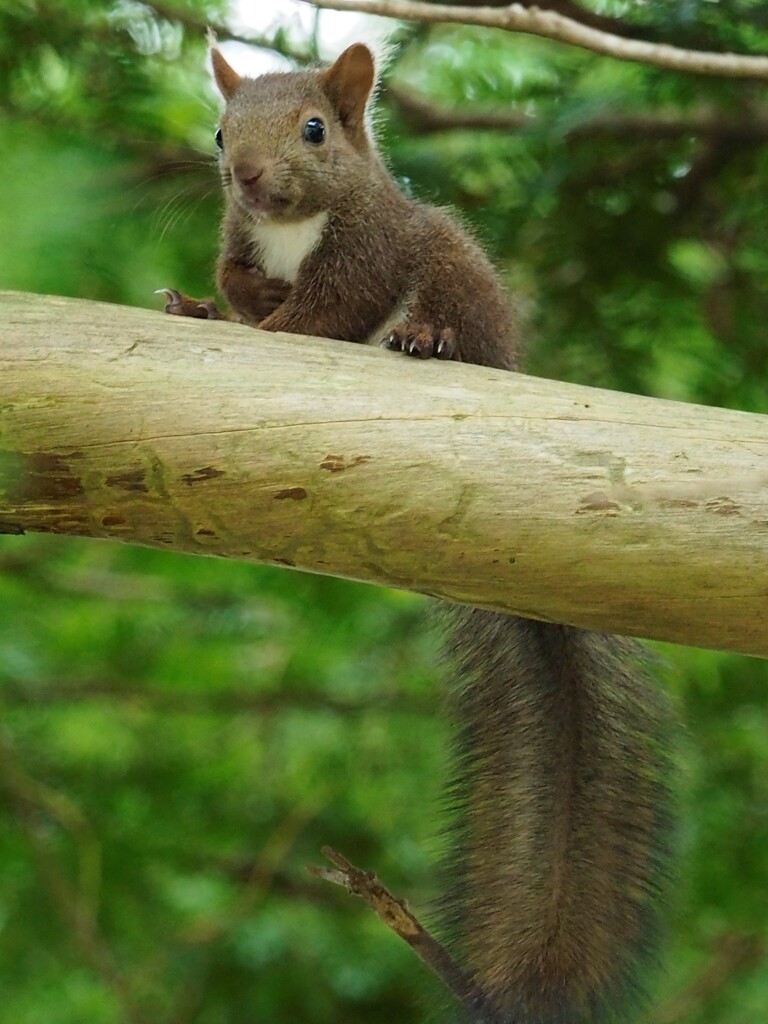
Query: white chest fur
[(283, 247)]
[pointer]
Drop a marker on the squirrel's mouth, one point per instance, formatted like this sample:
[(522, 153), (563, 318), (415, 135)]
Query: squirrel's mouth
[(263, 203)]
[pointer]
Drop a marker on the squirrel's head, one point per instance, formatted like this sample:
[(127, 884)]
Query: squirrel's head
[(292, 141)]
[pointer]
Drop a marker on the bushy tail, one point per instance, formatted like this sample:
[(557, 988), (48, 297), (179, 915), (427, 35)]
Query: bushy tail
[(563, 817)]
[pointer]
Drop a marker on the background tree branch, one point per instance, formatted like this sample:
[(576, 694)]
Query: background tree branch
[(32, 802), (589, 507), (576, 12), (423, 116), (549, 24)]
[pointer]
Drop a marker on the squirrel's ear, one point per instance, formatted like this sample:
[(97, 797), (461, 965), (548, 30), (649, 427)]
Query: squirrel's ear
[(226, 77), (348, 83)]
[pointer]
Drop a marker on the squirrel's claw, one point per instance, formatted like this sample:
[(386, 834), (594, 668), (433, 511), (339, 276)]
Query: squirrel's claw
[(178, 304), (422, 341), (171, 297)]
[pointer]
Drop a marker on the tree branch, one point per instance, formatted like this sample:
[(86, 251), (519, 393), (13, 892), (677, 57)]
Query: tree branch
[(278, 42), (732, 953), (397, 916), (422, 116), (576, 12), (601, 510), (549, 24)]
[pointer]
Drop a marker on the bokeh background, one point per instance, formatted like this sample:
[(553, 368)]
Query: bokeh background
[(179, 736)]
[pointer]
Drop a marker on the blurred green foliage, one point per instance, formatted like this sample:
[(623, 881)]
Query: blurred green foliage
[(181, 735)]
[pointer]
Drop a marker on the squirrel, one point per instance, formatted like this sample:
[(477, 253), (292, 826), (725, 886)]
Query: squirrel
[(561, 847)]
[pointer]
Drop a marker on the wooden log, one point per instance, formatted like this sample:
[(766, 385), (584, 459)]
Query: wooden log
[(608, 511)]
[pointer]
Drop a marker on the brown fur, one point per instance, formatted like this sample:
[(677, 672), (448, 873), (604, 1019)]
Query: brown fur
[(563, 820), (561, 797), (380, 250)]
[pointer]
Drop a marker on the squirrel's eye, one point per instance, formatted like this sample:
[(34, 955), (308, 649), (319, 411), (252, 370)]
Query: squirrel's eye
[(218, 138), (314, 131)]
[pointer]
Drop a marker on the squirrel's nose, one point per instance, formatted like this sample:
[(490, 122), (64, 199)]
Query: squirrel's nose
[(248, 173)]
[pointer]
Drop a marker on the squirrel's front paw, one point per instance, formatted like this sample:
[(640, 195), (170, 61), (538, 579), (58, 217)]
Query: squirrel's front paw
[(422, 340), (183, 305), (269, 293)]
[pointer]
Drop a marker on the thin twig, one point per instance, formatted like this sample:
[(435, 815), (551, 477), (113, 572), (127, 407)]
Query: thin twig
[(276, 42), (263, 870), (550, 25), (396, 915), (732, 954)]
